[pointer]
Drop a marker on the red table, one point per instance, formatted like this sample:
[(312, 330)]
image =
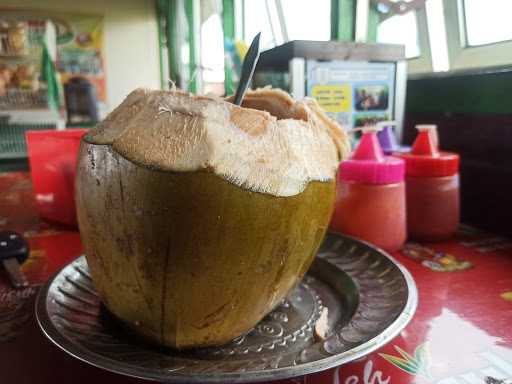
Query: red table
[(461, 334)]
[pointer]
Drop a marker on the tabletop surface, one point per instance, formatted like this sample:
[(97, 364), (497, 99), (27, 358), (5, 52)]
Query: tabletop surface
[(461, 333)]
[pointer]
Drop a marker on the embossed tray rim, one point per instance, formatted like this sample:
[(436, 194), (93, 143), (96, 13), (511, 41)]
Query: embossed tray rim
[(85, 355)]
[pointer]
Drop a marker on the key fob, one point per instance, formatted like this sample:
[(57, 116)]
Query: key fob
[(14, 251)]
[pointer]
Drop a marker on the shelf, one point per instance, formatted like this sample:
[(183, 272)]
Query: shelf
[(14, 56)]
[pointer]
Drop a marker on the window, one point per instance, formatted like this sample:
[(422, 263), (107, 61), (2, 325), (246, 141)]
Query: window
[(212, 54), (487, 21), (478, 33), (302, 20), (401, 29), (307, 20), (256, 20), (437, 36)]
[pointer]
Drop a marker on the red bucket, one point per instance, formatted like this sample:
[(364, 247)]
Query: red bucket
[(52, 156)]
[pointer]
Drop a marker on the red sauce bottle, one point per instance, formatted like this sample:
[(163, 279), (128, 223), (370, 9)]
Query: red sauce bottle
[(370, 196), (432, 188)]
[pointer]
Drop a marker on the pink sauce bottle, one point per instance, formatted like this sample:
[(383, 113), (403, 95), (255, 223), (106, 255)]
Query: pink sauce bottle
[(432, 180), (370, 195)]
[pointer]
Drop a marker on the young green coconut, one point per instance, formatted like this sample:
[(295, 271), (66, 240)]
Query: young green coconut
[(199, 216)]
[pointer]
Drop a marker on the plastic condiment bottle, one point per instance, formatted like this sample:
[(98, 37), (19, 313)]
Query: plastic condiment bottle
[(387, 138), (432, 180), (370, 195)]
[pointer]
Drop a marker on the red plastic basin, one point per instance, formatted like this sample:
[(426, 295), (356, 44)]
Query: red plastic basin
[(52, 156)]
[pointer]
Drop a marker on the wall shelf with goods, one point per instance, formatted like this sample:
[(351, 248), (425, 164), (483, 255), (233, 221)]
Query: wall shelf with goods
[(29, 89)]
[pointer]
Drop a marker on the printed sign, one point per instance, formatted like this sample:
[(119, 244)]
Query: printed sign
[(333, 98), (354, 93), (79, 49)]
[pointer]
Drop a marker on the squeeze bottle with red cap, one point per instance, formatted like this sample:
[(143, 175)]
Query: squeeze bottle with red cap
[(432, 180), (370, 195)]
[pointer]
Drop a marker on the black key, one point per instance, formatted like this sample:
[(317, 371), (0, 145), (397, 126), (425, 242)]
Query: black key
[(13, 252)]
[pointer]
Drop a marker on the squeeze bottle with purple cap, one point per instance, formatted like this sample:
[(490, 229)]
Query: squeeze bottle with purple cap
[(370, 195), (387, 138)]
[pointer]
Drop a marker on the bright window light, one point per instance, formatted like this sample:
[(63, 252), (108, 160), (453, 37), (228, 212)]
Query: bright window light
[(212, 49), (437, 35), (256, 20), (487, 21), (305, 20), (401, 29)]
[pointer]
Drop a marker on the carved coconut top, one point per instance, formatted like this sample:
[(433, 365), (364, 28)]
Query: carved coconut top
[(273, 144)]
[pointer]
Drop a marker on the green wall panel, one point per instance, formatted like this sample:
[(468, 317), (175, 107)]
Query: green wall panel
[(487, 93)]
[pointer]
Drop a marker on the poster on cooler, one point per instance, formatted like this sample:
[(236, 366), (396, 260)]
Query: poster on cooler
[(353, 93)]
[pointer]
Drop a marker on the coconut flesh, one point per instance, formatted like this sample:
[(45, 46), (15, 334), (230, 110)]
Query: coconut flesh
[(199, 216)]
